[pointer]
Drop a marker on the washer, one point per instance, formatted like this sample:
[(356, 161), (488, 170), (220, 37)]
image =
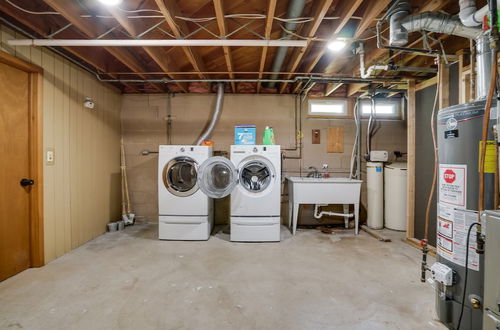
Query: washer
[(253, 178), (256, 200), (185, 212)]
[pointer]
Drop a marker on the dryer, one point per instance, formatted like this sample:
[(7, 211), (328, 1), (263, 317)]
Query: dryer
[(185, 212), (253, 178)]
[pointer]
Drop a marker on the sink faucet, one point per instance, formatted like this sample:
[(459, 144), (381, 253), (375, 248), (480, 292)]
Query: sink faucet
[(313, 172)]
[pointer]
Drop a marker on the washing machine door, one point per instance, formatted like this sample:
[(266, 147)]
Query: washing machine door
[(180, 176), (217, 177)]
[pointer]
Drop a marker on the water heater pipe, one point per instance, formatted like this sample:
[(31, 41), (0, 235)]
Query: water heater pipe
[(215, 117)]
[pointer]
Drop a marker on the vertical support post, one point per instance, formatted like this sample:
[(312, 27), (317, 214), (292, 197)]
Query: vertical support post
[(410, 202), (443, 84), (462, 78)]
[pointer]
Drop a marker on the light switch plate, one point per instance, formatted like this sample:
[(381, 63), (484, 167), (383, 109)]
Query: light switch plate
[(50, 156)]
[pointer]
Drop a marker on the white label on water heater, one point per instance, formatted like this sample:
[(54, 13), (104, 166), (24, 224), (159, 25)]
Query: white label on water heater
[(452, 227), (453, 185)]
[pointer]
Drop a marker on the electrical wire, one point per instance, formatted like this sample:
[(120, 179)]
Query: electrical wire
[(436, 160), (466, 273), (355, 146), (32, 12)]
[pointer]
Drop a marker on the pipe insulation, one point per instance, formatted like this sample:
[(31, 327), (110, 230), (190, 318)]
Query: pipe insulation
[(295, 9), (156, 42), (215, 117)]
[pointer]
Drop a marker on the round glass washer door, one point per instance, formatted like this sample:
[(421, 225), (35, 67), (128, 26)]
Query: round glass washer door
[(256, 175), (180, 176), (217, 177)]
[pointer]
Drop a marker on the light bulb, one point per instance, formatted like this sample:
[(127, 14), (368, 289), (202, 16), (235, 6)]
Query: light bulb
[(336, 45), (110, 2)]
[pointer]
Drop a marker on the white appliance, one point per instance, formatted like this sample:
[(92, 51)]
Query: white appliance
[(375, 194), (253, 178), (395, 196), (185, 212)]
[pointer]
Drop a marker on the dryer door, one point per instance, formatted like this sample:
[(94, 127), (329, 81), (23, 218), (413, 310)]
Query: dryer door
[(217, 177), (180, 176)]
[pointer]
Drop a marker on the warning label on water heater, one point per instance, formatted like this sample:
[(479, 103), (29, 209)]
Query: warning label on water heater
[(452, 227), (453, 185)]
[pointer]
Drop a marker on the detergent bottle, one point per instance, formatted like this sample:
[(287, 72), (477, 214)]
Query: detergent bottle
[(268, 138)]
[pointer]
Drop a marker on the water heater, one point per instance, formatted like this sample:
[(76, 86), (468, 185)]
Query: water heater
[(459, 130)]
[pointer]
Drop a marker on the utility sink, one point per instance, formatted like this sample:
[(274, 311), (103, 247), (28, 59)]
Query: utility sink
[(299, 179), (306, 190)]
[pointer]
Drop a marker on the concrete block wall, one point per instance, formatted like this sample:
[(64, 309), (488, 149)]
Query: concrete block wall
[(144, 126)]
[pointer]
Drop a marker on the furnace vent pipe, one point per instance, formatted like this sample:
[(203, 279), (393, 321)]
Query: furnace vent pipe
[(215, 117)]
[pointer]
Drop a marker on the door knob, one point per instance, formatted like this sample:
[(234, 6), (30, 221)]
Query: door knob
[(26, 182)]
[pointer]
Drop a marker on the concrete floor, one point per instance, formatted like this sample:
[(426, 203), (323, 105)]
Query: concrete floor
[(130, 280)]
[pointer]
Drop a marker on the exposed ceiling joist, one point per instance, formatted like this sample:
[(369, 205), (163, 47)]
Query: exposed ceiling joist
[(267, 34), (30, 24), (297, 55), (157, 54), (179, 28), (345, 13), (355, 88), (332, 87), (221, 22), (71, 11)]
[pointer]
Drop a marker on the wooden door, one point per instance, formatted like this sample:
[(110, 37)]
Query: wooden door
[(14, 166)]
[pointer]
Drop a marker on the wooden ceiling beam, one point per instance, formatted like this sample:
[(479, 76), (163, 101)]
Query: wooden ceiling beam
[(30, 24), (221, 22), (170, 10), (271, 9), (298, 53), (332, 87), (355, 88), (346, 12), (70, 10), (156, 53)]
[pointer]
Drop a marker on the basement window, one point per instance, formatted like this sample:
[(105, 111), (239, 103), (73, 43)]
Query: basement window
[(328, 108), (384, 108)]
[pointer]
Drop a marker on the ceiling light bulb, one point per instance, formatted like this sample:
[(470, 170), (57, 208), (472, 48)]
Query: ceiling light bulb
[(110, 2), (336, 45)]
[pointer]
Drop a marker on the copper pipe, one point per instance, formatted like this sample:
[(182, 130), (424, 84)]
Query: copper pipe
[(486, 121)]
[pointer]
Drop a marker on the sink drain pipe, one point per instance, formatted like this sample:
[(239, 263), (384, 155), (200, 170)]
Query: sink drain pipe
[(318, 214)]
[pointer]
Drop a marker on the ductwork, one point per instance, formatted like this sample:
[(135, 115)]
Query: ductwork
[(401, 23), (215, 117), (295, 9), (483, 66)]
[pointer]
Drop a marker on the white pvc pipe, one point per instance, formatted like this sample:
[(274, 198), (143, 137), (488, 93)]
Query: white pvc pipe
[(322, 213), (156, 43), (372, 68), (469, 15)]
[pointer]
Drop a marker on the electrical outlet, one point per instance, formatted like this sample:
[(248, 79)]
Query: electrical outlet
[(50, 156), (325, 166)]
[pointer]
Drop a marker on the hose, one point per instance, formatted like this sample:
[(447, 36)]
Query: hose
[(355, 145)]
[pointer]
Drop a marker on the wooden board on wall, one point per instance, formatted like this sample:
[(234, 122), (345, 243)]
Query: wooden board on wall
[(335, 139)]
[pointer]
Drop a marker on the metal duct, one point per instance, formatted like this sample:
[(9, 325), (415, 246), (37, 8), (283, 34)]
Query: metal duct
[(398, 35), (483, 67), (295, 9), (428, 21), (215, 117)]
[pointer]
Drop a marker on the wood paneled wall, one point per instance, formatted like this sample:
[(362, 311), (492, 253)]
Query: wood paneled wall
[(82, 187)]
